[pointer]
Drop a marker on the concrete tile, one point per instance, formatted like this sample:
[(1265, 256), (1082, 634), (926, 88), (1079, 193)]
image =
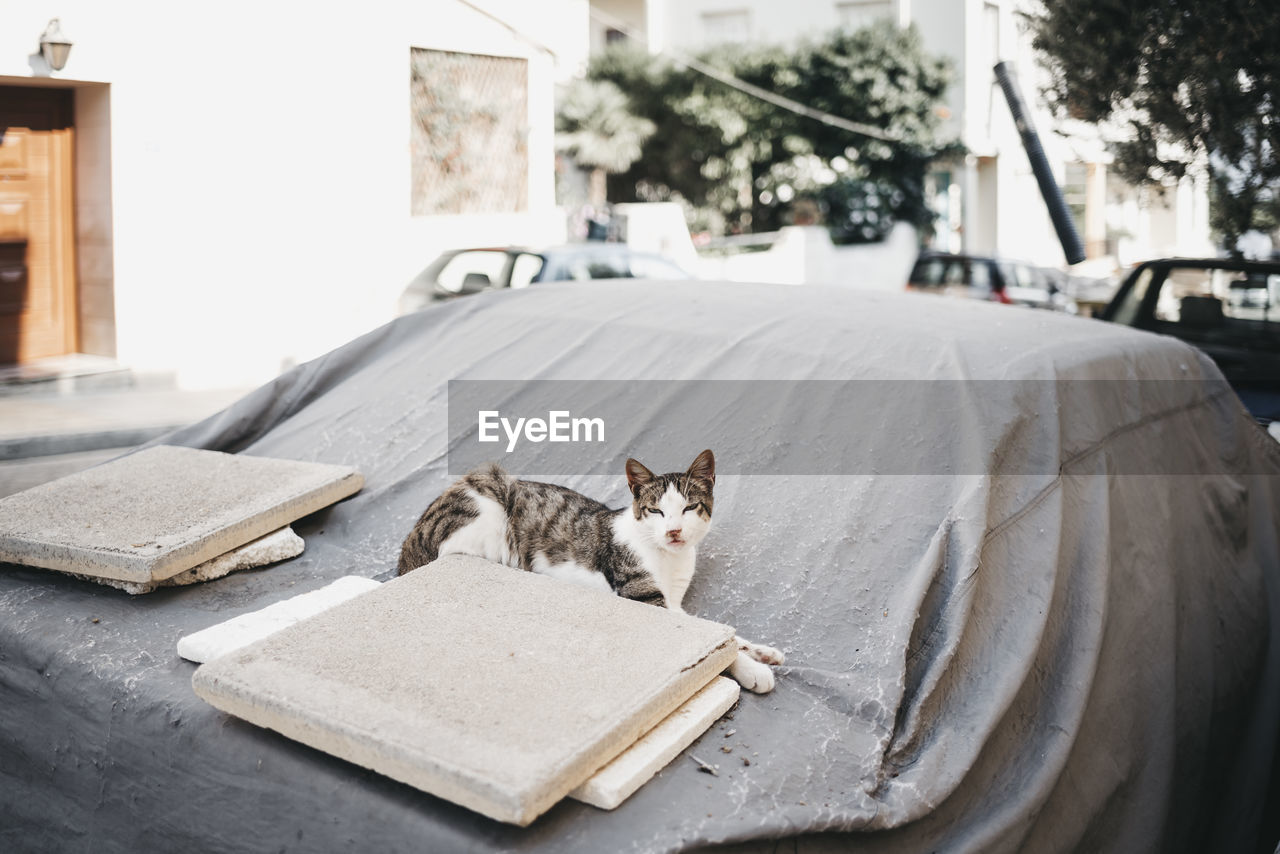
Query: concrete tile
[(161, 511), (17, 475), (230, 635), (273, 548), (616, 782), (496, 689)]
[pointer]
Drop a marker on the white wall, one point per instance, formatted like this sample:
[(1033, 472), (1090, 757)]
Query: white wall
[(259, 163), (806, 255), (658, 227), (631, 16), (940, 24), (769, 21)]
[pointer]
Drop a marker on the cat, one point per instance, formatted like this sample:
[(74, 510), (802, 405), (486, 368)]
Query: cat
[(645, 552)]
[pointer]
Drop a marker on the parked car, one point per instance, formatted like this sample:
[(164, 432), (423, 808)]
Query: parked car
[(988, 278), (462, 272), (1228, 307)]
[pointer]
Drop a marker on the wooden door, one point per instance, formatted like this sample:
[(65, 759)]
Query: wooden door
[(37, 224)]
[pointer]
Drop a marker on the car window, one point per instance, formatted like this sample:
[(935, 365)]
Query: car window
[(1253, 295), (653, 267), (1178, 285), (1208, 299), (1127, 310), (610, 267), (955, 274), (980, 275), (928, 272), (525, 269), (1024, 276), (577, 269), (601, 266), (489, 263)]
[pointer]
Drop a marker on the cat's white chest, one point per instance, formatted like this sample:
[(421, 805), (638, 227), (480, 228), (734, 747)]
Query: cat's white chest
[(672, 571), (673, 575)]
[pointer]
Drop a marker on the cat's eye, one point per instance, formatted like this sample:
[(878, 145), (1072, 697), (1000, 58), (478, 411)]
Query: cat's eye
[(691, 507), (653, 510)]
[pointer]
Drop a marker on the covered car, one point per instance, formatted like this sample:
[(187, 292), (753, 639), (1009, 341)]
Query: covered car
[(1023, 567)]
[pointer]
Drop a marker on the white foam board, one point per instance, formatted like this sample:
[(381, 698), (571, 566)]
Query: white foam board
[(618, 780), (229, 635)]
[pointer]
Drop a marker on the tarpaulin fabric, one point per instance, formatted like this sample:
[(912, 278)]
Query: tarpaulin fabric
[(1068, 648)]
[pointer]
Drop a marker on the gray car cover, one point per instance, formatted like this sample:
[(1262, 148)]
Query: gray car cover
[(1023, 567)]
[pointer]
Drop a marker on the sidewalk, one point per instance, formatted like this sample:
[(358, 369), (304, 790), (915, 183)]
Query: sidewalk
[(53, 428)]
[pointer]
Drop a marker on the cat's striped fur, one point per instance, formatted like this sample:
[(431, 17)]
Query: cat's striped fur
[(644, 552), (544, 524)]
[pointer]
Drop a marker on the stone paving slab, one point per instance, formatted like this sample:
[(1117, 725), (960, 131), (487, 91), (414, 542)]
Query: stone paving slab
[(273, 548), (17, 475), (493, 688), (606, 789), (616, 782), (164, 510)]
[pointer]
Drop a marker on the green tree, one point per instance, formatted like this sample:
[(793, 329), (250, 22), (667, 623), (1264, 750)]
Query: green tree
[(743, 162), (1191, 81), (595, 126)]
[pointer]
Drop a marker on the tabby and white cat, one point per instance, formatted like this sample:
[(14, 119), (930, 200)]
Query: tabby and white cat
[(645, 552)]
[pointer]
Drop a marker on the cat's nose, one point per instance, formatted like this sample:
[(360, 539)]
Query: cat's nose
[(674, 533)]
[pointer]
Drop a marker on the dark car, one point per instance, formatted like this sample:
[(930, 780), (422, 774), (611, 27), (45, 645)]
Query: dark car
[(1229, 308), (988, 278), (462, 272)]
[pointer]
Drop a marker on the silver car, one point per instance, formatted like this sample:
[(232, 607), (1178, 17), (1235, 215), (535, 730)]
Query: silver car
[(462, 272)]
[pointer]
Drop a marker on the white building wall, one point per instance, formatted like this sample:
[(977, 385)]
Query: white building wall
[(691, 25), (939, 24), (259, 163), (631, 17)]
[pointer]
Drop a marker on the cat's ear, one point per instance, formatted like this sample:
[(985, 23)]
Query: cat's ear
[(704, 466), (637, 475)]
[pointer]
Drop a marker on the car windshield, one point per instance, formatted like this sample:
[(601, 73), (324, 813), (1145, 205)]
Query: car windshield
[(490, 263), (526, 268), (1126, 311)]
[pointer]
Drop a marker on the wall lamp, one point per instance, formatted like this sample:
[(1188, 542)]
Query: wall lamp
[(54, 46)]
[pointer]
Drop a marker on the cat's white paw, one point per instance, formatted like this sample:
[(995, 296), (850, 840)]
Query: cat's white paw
[(751, 674), (761, 653), (766, 654)]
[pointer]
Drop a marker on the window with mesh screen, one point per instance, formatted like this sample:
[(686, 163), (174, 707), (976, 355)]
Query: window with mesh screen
[(469, 117), (732, 26)]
